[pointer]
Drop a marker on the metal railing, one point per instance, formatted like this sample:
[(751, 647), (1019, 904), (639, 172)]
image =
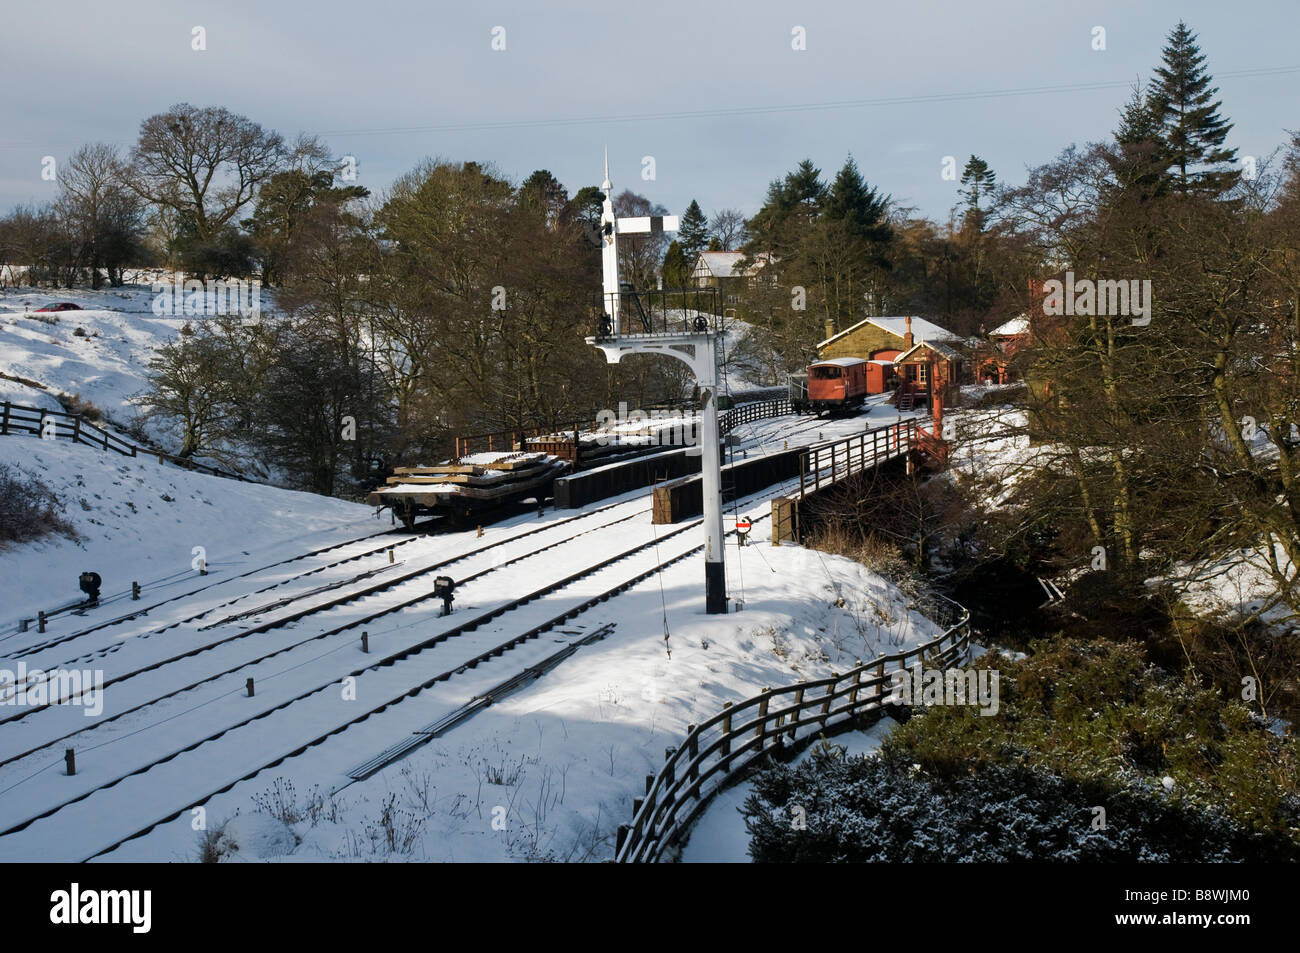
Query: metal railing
[(831, 462), (22, 419), (718, 749), (657, 311)]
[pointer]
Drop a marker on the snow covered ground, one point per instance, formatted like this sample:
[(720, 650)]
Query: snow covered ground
[(105, 363), (139, 521)]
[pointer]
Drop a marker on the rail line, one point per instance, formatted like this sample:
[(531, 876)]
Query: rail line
[(495, 652), (279, 622), (405, 654)]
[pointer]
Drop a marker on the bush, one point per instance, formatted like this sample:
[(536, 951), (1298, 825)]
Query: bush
[(1095, 713), (76, 404), (28, 509), (867, 809)]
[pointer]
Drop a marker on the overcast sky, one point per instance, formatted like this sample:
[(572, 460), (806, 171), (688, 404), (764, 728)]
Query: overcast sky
[(710, 89)]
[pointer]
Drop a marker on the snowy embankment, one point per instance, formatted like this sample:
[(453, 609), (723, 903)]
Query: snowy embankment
[(138, 521)]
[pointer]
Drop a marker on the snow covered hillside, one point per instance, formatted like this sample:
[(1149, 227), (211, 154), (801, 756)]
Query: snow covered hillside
[(138, 521)]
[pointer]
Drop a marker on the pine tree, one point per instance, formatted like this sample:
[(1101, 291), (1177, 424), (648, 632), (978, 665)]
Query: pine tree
[(1192, 129), (862, 210), (693, 234), (979, 181), (676, 268), (1140, 159)]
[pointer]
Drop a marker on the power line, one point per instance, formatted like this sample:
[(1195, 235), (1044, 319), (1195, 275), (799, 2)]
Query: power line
[(776, 108)]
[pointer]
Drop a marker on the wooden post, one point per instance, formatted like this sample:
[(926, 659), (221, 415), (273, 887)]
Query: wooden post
[(135, 592), (798, 710), (668, 757), (693, 750), (40, 621), (76, 429), (365, 643), (649, 782), (250, 688), (70, 759), (726, 732), (4, 420), (826, 705), (480, 532), (391, 557), (762, 714), (622, 837)]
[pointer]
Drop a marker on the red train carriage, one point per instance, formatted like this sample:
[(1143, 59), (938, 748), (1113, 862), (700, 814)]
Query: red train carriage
[(840, 383)]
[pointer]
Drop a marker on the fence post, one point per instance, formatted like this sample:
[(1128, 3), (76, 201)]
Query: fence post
[(4, 421), (761, 730), (40, 621), (76, 429), (726, 732), (830, 690), (135, 592), (70, 759), (693, 751), (798, 710), (250, 688)]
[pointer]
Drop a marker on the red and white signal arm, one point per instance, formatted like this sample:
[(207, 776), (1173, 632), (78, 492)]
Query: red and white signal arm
[(742, 525)]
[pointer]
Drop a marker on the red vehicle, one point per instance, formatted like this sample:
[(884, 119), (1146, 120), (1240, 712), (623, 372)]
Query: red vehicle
[(61, 306), (836, 384)]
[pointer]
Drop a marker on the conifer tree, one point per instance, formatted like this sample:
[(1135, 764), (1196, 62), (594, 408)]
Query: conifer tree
[(979, 182), (693, 234), (1191, 127)]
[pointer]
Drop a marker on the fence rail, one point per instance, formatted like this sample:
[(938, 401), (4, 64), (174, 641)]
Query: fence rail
[(729, 420), (22, 419), (831, 462), (718, 749)]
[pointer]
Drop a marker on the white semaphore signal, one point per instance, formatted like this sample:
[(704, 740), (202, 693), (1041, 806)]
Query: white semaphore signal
[(696, 346)]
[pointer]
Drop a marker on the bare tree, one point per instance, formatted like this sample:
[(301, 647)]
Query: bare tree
[(203, 165), (728, 227), (99, 212)]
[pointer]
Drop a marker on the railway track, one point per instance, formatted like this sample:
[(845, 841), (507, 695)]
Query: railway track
[(129, 638), (495, 652), (339, 600), (393, 659), (28, 651)]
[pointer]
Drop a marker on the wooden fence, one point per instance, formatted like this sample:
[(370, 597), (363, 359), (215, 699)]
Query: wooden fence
[(21, 419), (717, 750)]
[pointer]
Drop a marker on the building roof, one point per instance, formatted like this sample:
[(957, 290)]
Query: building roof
[(941, 349), (922, 330), (1013, 328), (722, 264), (840, 361)]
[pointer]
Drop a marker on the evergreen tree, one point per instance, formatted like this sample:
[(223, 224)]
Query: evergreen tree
[(853, 202), (1139, 160), (693, 234), (676, 267), (1192, 129), (979, 182)]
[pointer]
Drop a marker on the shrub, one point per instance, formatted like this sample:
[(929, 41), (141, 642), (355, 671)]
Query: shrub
[(1094, 712), (28, 509), (865, 809)]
